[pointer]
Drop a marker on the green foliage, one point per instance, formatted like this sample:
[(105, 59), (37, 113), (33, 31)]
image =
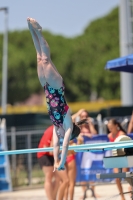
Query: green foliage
[(79, 60), (99, 44)]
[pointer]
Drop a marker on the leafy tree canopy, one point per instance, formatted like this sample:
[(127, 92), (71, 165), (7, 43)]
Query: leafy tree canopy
[(79, 60)]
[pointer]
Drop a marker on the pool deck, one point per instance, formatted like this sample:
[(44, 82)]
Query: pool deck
[(104, 191)]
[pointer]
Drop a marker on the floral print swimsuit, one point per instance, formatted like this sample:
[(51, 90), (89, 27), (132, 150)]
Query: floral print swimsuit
[(56, 104)]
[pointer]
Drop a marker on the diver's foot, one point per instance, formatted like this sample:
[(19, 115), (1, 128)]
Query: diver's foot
[(34, 24), (29, 25)]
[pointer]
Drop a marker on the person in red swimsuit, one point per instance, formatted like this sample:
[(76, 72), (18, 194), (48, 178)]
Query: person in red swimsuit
[(71, 172), (71, 169), (116, 130)]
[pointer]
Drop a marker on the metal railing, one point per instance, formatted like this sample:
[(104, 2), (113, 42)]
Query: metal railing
[(22, 166), (25, 168)]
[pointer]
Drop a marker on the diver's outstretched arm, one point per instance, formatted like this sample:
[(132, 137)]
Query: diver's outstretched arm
[(68, 128), (56, 148), (65, 149)]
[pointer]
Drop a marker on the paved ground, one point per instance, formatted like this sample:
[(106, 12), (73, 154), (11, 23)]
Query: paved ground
[(105, 191)]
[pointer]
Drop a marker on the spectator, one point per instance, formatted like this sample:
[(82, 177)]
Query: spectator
[(76, 116), (116, 130), (89, 131), (54, 181), (64, 180), (46, 162), (71, 169), (130, 125), (86, 129)]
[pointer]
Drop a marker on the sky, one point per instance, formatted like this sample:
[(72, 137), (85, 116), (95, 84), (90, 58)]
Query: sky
[(68, 18)]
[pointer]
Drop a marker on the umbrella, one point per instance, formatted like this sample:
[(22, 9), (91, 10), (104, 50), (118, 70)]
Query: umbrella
[(123, 64)]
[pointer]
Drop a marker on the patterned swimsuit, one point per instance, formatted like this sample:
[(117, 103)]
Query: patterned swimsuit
[(56, 104)]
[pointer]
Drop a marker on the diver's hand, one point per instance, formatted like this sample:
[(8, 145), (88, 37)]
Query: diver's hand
[(61, 167)]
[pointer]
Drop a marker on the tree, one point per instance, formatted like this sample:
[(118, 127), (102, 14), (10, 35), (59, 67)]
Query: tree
[(80, 61)]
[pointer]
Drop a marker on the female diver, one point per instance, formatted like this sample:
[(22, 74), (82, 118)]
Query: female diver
[(52, 83)]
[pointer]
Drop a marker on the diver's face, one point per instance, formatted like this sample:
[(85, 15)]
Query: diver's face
[(61, 132)]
